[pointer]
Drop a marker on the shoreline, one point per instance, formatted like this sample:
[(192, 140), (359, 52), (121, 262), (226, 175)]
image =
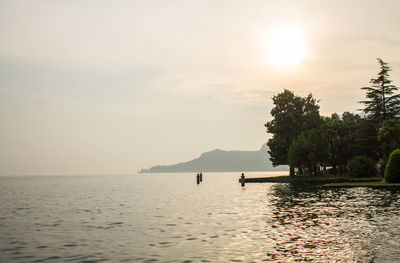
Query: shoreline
[(310, 179), (327, 181)]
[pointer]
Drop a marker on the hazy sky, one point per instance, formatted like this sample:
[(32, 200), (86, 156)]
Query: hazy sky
[(95, 87)]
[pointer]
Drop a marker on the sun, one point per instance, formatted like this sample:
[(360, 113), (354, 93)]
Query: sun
[(287, 46)]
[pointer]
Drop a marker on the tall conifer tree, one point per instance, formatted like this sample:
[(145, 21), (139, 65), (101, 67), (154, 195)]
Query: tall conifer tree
[(381, 101)]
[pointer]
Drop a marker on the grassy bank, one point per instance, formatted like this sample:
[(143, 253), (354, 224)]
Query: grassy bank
[(331, 181)]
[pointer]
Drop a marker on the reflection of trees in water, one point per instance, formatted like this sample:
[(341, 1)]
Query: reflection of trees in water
[(310, 221), (286, 196), (297, 203)]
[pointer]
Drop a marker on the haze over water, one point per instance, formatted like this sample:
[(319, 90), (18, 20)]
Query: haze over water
[(90, 87), (169, 218)]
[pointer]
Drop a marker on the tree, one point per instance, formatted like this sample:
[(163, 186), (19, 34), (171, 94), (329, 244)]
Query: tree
[(362, 166), (389, 140), (309, 150), (366, 141), (392, 170), (381, 103), (341, 134), (291, 116), (330, 130), (389, 135)]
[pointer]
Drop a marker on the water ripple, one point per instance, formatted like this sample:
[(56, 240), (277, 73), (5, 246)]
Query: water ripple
[(167, 218)]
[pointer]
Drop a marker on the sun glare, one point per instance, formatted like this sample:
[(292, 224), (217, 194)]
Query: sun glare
[(287, 47)]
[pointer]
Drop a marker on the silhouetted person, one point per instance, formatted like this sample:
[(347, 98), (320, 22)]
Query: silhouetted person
[(242, 179)]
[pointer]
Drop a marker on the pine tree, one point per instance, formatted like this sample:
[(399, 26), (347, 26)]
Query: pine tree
[(382, 103)]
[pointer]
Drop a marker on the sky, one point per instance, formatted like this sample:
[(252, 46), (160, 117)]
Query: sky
[(110, 87)]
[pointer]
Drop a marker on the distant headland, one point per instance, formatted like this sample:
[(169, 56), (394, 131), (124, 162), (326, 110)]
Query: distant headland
[(222, 161)]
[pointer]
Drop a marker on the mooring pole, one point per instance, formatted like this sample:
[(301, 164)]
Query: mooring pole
[(198, 178), (242, 179)]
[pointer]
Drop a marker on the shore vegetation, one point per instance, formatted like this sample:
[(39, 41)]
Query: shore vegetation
[(351, 144), (392, 170)]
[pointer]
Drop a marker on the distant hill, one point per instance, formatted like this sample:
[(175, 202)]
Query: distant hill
[(222, 161)]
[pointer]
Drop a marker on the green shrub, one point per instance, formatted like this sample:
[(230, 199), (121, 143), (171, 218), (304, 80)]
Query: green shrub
[(362, 166), (392, 170)]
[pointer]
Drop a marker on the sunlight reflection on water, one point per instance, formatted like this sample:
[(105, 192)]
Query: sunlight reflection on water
[(168, 218)]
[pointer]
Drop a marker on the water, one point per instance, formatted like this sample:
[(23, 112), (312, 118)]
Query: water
[(168, 218)]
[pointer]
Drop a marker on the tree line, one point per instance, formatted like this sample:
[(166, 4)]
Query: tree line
[(353, 143)]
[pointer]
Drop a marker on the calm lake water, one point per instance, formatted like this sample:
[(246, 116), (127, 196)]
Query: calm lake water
[(168, 218)]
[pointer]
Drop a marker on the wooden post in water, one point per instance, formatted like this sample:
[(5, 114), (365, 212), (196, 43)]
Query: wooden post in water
[(201, 177), (242, 179), (198, 178)]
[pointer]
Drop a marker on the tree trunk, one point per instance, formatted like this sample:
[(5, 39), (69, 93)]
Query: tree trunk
[(313, 170), (291, 170), (383, 98)]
